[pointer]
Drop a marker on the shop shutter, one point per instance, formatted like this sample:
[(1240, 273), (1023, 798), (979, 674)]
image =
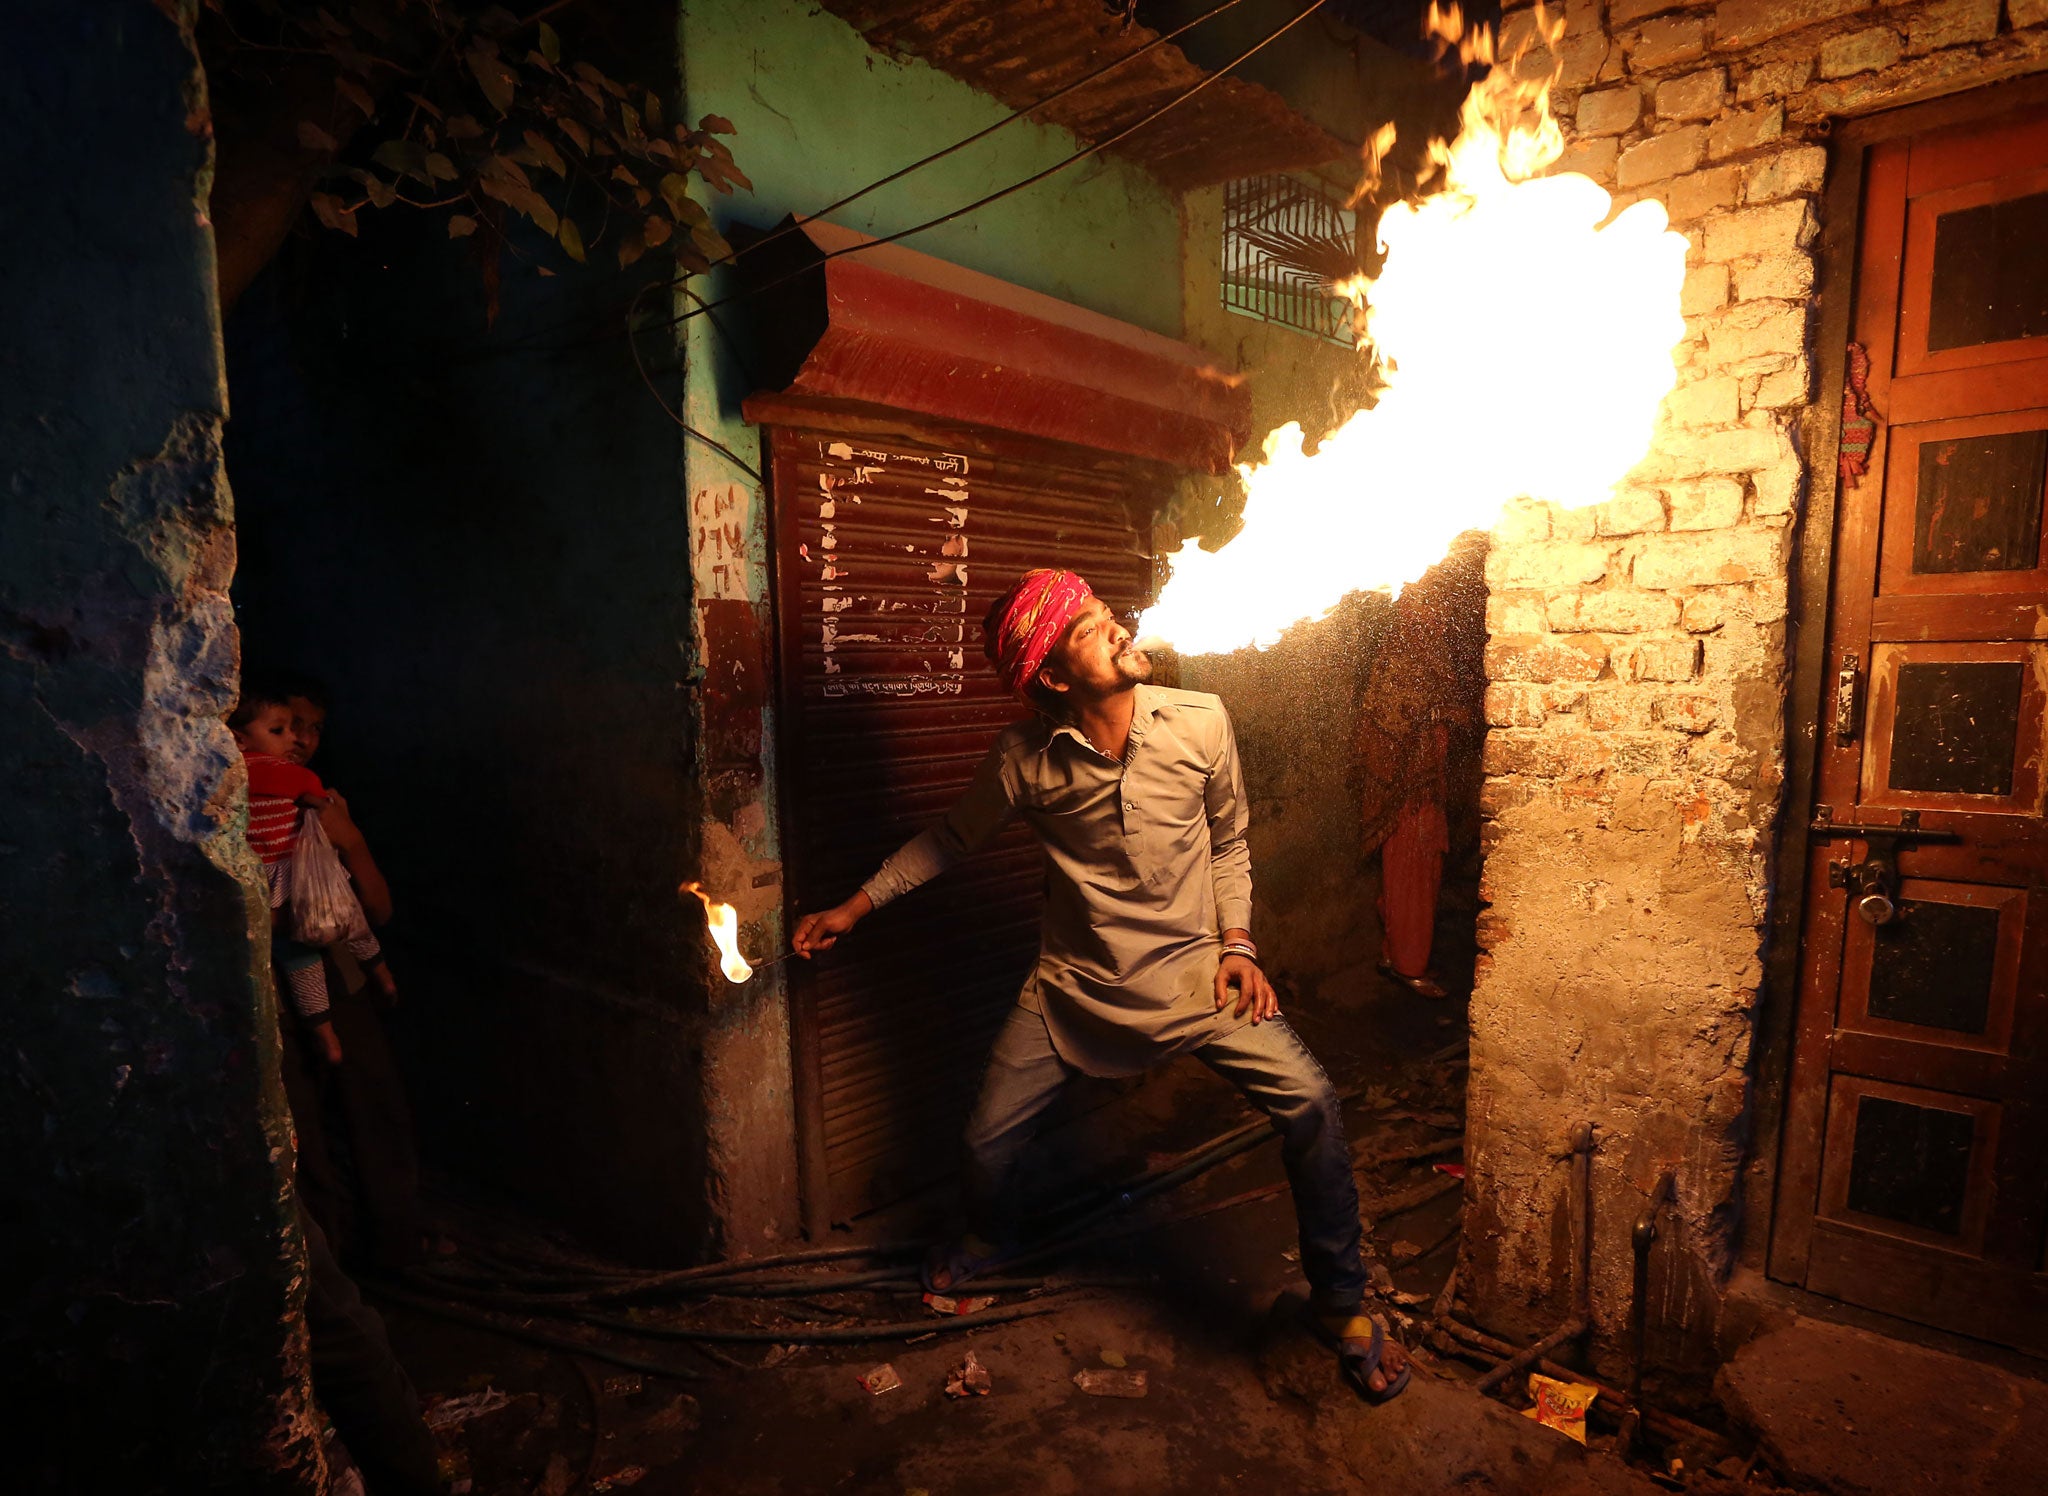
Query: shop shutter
[(890, 545)]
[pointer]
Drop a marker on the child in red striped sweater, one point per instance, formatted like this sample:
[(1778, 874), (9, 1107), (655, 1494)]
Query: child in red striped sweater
[(278, 790)]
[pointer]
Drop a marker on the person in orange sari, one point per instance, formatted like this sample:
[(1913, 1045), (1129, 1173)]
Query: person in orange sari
[(1418, 710)]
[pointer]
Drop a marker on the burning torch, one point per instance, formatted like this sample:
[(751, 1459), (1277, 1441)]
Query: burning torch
[(722, 922)]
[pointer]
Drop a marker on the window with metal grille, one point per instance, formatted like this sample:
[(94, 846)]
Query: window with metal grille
[(1285, 245)]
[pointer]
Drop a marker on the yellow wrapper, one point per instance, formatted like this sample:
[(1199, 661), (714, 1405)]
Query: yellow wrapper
[(1561, 1405)]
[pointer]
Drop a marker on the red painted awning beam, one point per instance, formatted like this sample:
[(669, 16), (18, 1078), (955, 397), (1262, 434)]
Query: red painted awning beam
[(891, 327)]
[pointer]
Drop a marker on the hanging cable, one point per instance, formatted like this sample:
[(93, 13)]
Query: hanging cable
[(1031, 181), (939, 155), (982, 134), (633, 346)]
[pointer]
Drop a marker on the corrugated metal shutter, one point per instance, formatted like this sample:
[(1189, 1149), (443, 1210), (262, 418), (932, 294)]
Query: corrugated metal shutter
[(890, 549)]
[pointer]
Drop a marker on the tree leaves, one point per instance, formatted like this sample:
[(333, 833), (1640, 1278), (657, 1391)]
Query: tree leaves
[(357, 95), (544, 153), (675, 191), (571, 240), (330, 210), (495, 115), (409, 158), (501, 179), (596, 78), (506, 168), (381, 193), (715, 163), (493, 75), (709, 240)]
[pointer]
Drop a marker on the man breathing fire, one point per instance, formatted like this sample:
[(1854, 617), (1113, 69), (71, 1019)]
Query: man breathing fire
[(1146, 952)]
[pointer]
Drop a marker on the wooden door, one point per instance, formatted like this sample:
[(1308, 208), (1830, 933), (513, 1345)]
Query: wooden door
[(1915, 1169)]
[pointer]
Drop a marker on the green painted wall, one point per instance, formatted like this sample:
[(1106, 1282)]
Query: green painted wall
[(819, 115)]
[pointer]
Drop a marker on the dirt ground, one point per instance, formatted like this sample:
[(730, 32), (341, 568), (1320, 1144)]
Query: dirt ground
[(1236, 1397)]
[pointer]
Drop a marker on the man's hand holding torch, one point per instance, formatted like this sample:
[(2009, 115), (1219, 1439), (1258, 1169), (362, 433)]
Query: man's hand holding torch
[(821, 931)]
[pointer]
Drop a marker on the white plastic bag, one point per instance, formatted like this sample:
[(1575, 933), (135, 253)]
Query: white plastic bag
[(324, 907)]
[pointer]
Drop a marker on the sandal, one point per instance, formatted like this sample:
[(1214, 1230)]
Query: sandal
[(1358, 1357), (1422, 986), (958, 1262)]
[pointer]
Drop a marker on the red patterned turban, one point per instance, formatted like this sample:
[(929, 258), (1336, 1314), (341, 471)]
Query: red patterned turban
[(1025, 622)]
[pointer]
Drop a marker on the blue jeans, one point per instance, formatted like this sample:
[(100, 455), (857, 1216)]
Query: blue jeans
[(1271, 1069)]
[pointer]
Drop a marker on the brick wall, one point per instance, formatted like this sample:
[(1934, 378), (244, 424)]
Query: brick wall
[(1637, 662)]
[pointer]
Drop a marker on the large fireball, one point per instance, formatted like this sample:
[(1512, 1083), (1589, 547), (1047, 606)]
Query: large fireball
[(1525, 339)]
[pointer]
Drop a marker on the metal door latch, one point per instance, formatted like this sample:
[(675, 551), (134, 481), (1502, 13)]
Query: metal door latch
[(1872, 883)]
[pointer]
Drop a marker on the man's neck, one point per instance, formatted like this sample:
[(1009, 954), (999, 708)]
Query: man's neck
[(1106, 721)]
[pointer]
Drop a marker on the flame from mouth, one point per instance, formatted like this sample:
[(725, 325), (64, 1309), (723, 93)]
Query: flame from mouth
[(1525, 342), (722, 922)]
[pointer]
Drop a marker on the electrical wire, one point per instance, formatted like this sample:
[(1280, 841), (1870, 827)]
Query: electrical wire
[(705, 308), (939, 155), (1033, 180), (982, 134), (463, 1315), (579, 1304), (1055, 1299), (633, 347)]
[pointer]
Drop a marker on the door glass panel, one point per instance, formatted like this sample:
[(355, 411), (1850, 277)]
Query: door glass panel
[(1911, 1164), (1957, 727), (1990, 276), (1933, 966), (1978, 506)]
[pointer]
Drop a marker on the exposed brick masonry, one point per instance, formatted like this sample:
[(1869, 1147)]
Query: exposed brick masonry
[(1638, 649)]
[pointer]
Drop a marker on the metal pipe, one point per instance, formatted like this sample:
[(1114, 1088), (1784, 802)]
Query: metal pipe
[(1640, 1240), (1521, 1360), (1493, 1348), (1581, 1266), (1582, 1246)]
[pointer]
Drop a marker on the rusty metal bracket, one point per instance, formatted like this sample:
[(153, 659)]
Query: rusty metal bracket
[(1846, 694)]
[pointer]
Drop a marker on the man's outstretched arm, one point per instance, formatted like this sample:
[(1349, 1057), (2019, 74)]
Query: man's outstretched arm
[(1230, 865), (973, 821)]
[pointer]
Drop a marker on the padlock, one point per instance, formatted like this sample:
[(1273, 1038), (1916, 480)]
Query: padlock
[(1869, 883), (1872, 881)]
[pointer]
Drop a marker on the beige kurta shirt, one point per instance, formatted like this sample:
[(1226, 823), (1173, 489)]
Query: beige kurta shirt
[(1146, 864)]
